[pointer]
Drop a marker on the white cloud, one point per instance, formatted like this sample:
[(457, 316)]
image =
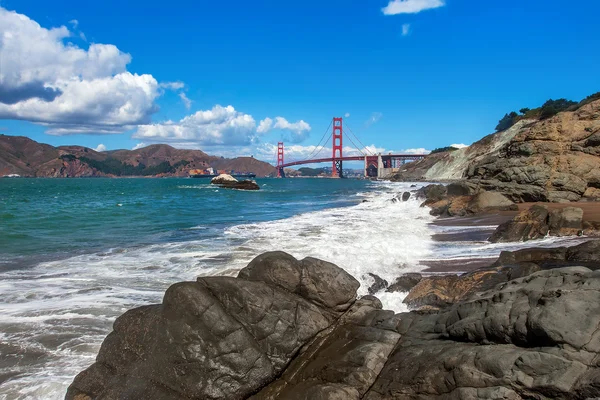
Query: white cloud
[(177, 85), (100, 147), (347, 115), (265, 125), (411, 6), (374, 118), (220, 126), (74, 22), (459, 146), (405, 29), (186, 102), (139, 146), (67, 88), (420, 150)]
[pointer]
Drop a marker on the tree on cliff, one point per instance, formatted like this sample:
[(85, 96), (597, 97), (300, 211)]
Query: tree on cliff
[(507, 121)]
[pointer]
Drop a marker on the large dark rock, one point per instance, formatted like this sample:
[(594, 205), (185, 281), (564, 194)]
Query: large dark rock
[(405, 283), (343, 362), (566, 221), (432, 193), (405, 196), (241, 185), (533, 338), (219, 337), (378, 285)]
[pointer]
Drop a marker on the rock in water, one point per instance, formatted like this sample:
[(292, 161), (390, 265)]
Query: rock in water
[(405, 282), (229, 182), (378, 285), (405, 196), (223, 179)]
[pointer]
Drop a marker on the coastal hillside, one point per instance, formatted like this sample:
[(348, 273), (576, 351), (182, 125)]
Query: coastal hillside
[(553, 159), (25, 157)]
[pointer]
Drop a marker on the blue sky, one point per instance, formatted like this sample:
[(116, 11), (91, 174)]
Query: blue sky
[(233, 78)]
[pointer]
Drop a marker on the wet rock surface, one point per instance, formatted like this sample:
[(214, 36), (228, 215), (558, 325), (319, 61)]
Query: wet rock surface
[(229, 182), (537, 222), (526, 327)]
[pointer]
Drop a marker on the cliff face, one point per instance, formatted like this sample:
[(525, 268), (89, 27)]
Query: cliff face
[(559, 157), (25, 157)]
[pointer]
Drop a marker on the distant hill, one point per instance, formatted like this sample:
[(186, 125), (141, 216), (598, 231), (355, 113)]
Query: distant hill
[(25, 157)]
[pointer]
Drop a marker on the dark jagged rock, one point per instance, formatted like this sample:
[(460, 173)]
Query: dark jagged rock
[(219, 337), (443, 290), (343, 362), (507, 343), (241, 185), (378, 285), (432, 193), (405, 283)]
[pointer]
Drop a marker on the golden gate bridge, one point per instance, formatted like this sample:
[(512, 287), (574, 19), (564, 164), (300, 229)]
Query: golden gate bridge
[(376, 165)]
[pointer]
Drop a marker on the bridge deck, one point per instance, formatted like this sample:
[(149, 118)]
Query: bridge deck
[(355, 158)]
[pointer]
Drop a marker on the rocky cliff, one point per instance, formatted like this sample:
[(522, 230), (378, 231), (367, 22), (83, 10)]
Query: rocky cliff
[(556, 159), (293, 329), (25, 157)]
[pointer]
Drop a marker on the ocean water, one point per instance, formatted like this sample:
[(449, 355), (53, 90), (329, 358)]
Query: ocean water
[(77, 253)]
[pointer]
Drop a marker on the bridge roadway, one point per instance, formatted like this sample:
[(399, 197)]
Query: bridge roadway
[(411, 157)]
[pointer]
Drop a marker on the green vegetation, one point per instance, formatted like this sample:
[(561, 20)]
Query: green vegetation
[(68, 157), (115, 167), (443, 149), (305, 171), (549, 109)]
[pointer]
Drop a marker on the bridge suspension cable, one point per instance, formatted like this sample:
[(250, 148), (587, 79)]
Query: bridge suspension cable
[(356, 137), (317, 146)]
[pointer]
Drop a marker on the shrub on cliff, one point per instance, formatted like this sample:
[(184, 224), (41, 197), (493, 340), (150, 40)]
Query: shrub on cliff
[(507, 121), (443, 149)]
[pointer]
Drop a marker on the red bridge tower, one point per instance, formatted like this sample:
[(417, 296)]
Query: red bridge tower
[(280, 171), (337, 169)]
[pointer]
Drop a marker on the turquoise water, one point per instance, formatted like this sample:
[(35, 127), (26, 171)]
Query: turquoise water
[(44, 219)]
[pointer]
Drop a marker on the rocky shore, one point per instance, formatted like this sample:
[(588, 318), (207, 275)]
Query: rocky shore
[(525, 327)]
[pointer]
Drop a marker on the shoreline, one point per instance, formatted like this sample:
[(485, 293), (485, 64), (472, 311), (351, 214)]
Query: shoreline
[(483, 225)]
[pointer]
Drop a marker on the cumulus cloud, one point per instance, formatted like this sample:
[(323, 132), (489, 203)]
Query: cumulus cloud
[(420, 150), (347, 115), (186, 101), (395, 7), (405, 29), (67, 88), (100, 147), (459, 146), (265, 125), (220, 126), (296, 132)]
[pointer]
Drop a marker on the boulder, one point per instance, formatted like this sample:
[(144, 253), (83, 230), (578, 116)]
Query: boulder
[(343, 362), (222, 179), (533, 338), (405, 283), (488, 201), (461, 188), (229, 182), (529, 224), (566, 221), (219, 337), (405, 196), (432, 193), (378, 284)]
